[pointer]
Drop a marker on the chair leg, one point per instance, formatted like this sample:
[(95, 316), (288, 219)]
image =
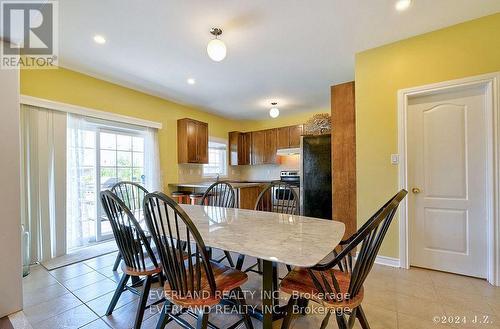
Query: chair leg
[(117, 261), (341, 321), (202, 322), (325, 321), (240, 299), (118, 293), (352, 319), (289, 268), (239, 263), (142, 302), (360, 314), (259, 266), (164, 317), (289, 313), (229, 258)]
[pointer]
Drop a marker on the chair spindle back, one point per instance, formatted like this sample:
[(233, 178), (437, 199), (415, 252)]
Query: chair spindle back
[(370, 236), (132, 194), (219, 194), (170, 227), (278, 197), (129, 236)]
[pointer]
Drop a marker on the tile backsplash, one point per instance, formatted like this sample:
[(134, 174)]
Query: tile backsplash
[(189, 173)]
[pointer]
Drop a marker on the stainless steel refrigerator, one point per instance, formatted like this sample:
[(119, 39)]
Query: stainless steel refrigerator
[(316, 176)]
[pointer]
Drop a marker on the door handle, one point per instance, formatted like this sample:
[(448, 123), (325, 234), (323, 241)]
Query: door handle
[(415, 190)]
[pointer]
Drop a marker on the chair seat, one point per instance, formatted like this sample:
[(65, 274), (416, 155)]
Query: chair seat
[(150, 269), (299, 282), (226, 279)]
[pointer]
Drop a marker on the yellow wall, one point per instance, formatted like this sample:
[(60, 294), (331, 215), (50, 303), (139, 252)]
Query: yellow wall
[(467, 49), (70, 87), (63, 85)]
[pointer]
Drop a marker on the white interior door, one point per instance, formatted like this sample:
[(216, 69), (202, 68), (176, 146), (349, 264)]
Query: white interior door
[(447, 170)]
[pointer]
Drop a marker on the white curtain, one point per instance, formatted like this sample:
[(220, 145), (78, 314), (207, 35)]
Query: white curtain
[(153, 179), (43, 162), (81, 178)]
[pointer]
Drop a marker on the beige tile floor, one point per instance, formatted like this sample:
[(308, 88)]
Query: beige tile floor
[(77, 296)]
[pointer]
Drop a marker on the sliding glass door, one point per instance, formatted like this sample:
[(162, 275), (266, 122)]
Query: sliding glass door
[(120, 158), (99, 156)]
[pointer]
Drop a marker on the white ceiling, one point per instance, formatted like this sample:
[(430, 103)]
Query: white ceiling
[(290, 51)]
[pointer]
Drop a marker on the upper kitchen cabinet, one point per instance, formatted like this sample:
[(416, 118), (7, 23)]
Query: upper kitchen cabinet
[(239, 146), (264, 146), (295, 133), (192, 141), (289, 137)]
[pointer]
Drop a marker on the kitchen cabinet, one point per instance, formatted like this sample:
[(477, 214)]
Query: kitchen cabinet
[(239, 147), (192, 141), (247, 196), (283, 137), (260, 147), (264, 146), (289, 137), (295, 134)]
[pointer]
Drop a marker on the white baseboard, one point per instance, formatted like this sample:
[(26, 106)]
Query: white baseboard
[(386, 261)]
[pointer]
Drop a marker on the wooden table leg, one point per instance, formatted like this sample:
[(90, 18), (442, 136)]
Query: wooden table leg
[(267, 294)]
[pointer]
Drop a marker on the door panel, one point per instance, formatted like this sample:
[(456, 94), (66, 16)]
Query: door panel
[(192, 153), (295, 133), (202, 142), (445, 150), (447, 164), (283, 137), (270, 147), (258, 147)]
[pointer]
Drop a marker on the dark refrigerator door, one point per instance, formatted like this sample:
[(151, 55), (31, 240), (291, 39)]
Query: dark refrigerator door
[(316, 180)]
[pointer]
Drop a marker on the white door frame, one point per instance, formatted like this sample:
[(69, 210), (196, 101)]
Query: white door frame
[(491, 82)]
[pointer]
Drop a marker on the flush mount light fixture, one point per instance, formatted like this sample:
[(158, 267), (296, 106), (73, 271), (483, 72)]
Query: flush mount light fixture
[(191, 81), (402, 5), (216, 49), (99, 39), (274, 112)]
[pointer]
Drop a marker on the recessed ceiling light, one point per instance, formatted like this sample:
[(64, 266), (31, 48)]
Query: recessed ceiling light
[(191, 81), (402, 5), (99, 39)]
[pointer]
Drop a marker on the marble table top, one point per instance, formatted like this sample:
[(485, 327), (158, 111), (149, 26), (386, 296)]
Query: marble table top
[(293, 240)]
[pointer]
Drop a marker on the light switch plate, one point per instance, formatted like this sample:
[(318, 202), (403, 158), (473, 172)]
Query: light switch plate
[(394, 159)]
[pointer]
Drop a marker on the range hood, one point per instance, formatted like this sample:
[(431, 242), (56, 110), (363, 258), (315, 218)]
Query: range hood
[(289, 151)]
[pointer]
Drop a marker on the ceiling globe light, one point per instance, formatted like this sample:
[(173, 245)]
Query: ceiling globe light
[(274, 112), (402, 5), (216, 49), (99, 39)]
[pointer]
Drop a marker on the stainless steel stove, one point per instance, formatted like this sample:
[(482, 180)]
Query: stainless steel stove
[(291, 177)]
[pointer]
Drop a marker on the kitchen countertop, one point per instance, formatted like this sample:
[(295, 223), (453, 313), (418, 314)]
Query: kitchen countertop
[(234, 184)]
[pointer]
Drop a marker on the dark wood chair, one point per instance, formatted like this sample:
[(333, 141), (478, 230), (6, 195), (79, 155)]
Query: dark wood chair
[(278, 197), (132, 195), (138, 257), (338, 284), (196, 283), (220, 194)]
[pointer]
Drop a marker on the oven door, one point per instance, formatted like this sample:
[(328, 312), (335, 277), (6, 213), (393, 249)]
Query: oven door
[(281, 197)]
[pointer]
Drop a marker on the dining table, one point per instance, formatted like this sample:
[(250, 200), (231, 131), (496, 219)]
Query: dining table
[(271, 237)]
